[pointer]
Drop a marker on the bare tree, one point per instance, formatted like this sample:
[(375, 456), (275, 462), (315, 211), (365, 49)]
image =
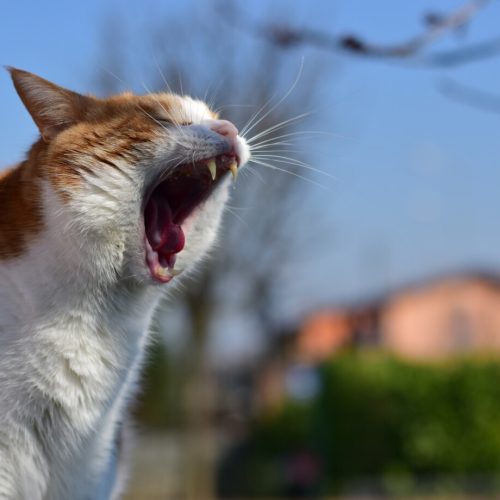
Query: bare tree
[(246, 79), (436, 25), (248, 82)]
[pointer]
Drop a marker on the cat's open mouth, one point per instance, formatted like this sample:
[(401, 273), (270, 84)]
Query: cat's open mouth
[(171, 202)]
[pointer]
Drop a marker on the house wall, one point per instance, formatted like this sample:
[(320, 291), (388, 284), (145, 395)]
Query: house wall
[(447, 318)]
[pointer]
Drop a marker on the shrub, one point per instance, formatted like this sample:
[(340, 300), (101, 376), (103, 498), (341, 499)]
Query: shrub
[(386, 421)]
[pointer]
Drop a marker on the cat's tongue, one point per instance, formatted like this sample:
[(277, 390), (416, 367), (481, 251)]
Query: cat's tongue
[(164, 235)]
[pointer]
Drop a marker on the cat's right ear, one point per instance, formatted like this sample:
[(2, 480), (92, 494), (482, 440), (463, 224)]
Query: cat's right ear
[(52, 108)]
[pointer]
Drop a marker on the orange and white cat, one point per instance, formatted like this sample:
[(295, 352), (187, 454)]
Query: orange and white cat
[(113, 201)]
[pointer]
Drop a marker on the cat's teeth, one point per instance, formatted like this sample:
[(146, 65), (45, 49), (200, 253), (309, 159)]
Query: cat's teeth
[(162, 271), (168, 272), (213, 168), (175, 272), (233, 166)]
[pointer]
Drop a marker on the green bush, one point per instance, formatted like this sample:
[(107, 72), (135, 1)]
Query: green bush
[(394, 422), (379, 414), (159, 401)]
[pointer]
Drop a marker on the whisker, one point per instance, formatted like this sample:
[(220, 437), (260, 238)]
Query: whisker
[(273, 150), (177, 140), (274, 167), (250, 124), (256, 115), (293, 161), (234, 207), (169, 88), (214, 93), (272, 108), (277, 126), (152, 117), (259, 147), (238, 216), (176, 125), (293, 134), (116, 77), (224, 106), (250, 170), (162, 75), (179, 79)]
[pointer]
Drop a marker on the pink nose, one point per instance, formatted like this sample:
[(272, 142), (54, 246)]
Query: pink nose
[(223, 127)]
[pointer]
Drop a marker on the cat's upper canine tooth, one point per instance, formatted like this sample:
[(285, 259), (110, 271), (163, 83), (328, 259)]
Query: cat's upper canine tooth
[(212, 166), (233, 166)]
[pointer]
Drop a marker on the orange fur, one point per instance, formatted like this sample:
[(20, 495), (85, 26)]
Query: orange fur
[(110, 204), (72, 127), (20, 217)]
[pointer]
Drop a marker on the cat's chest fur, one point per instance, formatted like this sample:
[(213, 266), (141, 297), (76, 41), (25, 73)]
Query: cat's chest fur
[(113, 201), (71, 351)]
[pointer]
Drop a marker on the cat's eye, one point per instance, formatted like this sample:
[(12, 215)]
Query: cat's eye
[(164, 121)]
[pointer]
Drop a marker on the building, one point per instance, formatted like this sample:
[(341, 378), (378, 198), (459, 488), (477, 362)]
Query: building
[(432, 320)]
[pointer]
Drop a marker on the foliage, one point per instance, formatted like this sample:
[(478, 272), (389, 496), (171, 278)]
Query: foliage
[(385, 421), (157, 402)]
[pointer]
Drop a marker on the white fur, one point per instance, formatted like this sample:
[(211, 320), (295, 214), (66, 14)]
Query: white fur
[(75, 309)]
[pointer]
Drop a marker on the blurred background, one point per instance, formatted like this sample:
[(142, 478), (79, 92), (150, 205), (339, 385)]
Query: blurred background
[(344, 338)]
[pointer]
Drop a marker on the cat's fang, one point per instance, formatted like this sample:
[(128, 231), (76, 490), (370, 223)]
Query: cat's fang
[(212, 166), (162, 271), (174, 272), (233, 166), (168, 272)]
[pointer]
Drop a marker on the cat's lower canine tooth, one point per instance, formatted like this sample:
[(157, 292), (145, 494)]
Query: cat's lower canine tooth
[(234, 170), (168, 271), (213, 168), (174, 272), (162, 271)]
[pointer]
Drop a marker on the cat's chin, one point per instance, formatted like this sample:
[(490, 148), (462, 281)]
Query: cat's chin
[(170, 201)]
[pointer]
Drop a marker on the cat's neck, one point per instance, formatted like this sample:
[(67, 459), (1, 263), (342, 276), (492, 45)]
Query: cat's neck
[(58, 302), (72, 342)]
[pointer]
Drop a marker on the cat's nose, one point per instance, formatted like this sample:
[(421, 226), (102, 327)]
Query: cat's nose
[(222, 127)]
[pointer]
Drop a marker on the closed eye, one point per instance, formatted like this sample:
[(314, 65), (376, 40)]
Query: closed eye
[(163, 121), (166, 121)]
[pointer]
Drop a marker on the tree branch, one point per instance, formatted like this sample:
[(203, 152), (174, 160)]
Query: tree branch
[(437, 26), (486, 101)]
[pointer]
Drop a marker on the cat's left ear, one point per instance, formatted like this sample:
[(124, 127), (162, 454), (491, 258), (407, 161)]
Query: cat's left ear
[(53, 108)]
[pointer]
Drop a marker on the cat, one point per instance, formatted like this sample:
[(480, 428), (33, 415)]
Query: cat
[(114, 200)]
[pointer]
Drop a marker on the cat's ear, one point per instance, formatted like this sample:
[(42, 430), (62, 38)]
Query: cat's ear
[(52, 108)]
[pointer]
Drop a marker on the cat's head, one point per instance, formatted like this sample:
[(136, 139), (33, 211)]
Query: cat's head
[(137, 183)]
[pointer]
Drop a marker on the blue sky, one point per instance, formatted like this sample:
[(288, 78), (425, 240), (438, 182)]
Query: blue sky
[(416, 176)]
